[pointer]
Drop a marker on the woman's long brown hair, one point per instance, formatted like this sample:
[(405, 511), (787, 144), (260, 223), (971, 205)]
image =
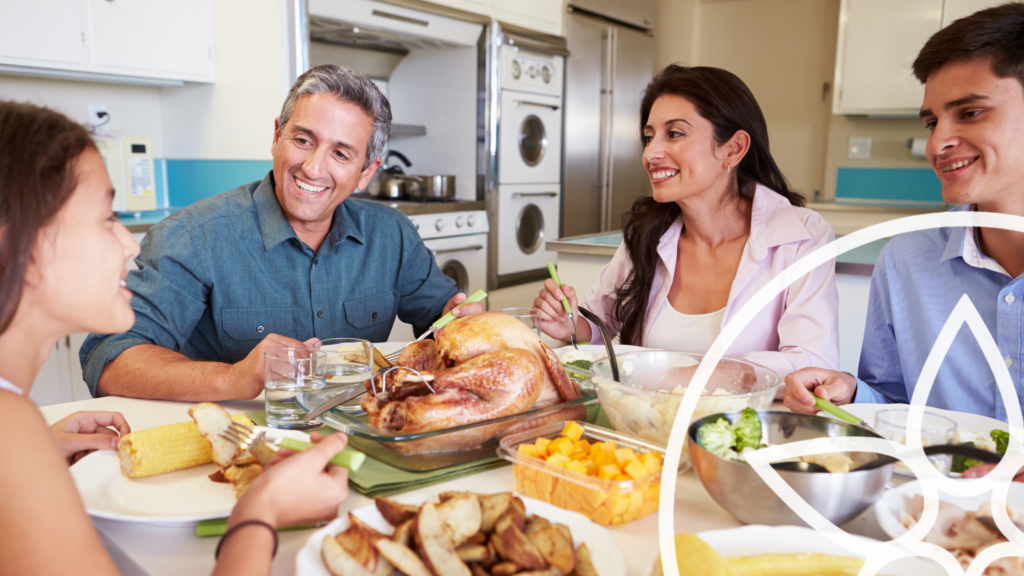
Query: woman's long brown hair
[(38, 149), (721, 98)]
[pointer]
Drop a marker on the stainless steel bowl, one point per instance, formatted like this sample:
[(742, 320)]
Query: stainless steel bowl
[(737, 487)]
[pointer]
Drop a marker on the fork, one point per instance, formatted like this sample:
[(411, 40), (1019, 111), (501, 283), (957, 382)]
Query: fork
[(246, 439), (477, 296)]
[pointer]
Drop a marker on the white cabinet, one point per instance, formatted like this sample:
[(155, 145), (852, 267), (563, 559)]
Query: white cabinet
[(130, 41), (545, 16), (60, 379), (878, 42)]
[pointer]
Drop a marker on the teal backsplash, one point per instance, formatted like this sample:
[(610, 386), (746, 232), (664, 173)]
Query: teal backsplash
[(893, 186), (189, 181)]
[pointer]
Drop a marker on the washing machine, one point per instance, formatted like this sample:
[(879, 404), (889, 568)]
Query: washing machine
[(529, 216)]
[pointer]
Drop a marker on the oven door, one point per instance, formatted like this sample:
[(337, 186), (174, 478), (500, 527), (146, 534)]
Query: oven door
[(530, 138), (527, 218)]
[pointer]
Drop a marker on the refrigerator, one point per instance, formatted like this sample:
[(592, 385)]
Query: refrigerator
[(611, 60)]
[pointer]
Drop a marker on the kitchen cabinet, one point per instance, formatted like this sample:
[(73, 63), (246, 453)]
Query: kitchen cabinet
[(545, 16), (878, 42), (127, 41), (60, 379)]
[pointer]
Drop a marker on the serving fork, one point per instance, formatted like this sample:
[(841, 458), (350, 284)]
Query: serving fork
[(477, 296), (248, 439)]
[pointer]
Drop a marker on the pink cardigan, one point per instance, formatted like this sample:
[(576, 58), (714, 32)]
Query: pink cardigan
[(796, 330)]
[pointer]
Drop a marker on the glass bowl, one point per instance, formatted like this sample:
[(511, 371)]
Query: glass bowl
[(652, 382)]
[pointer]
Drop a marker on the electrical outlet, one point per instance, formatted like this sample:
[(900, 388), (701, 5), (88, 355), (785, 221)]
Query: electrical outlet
[(860, 148), (98, 118)]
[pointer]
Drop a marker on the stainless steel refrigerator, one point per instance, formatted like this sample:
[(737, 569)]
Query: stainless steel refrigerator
[(611, 61)]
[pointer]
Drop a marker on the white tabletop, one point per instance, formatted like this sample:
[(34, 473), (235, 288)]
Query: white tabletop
[(172, 550)]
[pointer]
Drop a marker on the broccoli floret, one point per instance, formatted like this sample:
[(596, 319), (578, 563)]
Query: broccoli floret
[(715, 437), (1002, 439), (961, 463), (584, 364), (747, 430)]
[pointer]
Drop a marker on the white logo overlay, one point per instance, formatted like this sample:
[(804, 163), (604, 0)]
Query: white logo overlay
[(877, 554)]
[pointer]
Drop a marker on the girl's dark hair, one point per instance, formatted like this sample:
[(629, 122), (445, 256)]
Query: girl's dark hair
[(721, 98), (38, 149)]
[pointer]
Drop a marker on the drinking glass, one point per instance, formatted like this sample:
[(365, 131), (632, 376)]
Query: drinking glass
[(528, 316), (349, 361), (935, 430), (290, 372)]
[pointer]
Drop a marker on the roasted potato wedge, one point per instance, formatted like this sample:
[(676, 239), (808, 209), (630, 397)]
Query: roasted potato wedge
[(478, 570), (379, 361), (460, 517), (370, 531), (504, 569), (403, 534), (446, 496), (549, 572), (394, 512), (534, 523), (472, 552), (554, 547), (478, 538), (492, 506), (584, 565), (402, 558), (517, 547), (357, 544), (212, 421), (434, 546), (339, 562), (565, 531)]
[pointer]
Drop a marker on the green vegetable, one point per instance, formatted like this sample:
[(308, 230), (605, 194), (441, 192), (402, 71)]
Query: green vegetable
[(716, 437), (961, 463), (581, 363), (746, 431), (1002, 440)]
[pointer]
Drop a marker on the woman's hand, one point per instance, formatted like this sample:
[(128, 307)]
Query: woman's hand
[(298, 488), (836, 387), (553, 320), (83, 433)]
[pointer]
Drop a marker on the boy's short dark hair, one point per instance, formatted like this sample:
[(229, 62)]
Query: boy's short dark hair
[(997, 32)]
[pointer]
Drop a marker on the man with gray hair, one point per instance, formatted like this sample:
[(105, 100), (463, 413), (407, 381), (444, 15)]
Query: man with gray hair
[(283, 262)]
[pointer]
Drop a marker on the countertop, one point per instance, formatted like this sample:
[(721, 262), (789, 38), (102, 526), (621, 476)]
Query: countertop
[(860, 261)]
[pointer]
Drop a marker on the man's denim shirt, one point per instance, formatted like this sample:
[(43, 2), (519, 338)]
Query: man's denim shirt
[(217, 277)]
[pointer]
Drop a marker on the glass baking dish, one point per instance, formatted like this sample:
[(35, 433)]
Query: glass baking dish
[(428, 451), (607, 502)]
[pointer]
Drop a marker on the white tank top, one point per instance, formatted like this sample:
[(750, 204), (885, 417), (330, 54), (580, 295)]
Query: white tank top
[(5, 385), (673, 330)]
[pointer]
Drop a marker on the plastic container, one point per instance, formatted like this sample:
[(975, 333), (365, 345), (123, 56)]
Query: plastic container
[(607, 502)]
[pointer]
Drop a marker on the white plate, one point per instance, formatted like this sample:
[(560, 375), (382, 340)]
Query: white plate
[(607, 557), (599, 351), (754, 540), (964, 421), (888, 507), (180, 497)]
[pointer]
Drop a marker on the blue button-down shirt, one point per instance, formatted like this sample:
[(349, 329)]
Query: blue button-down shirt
[(918, 280), (217, 277)]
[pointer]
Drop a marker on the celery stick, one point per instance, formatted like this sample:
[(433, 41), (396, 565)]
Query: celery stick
[(348, 458)]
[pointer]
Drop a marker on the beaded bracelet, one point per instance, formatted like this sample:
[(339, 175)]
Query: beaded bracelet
[(241, 525)]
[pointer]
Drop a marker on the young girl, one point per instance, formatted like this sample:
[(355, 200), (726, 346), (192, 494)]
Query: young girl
[(62, 269)]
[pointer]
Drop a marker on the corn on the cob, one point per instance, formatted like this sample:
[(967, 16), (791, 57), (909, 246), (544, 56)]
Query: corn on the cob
[(166, 449), (795, 565)]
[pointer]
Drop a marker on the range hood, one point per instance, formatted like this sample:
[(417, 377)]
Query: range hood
[(369, 25)]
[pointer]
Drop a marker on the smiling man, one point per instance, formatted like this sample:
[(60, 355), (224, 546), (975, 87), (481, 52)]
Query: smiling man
[(973, 71), (283, 262)]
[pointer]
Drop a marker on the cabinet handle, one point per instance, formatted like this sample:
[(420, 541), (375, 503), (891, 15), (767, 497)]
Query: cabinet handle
[(534, 194), (472, 248), (381, 14), (528, 103)]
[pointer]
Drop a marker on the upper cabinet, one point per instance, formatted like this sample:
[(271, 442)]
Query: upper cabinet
[(878, 42), (545, 16), (131, 41)]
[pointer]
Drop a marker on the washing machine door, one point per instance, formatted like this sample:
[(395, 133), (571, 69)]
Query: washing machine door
[(530, 229), (533, 140), (529, 139)]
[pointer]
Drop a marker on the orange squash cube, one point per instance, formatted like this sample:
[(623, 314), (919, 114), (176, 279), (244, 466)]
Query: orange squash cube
[(602, 517), (624, 455), (572, 431), (528, 450), (608, 446), (636, 470), (542, 447)]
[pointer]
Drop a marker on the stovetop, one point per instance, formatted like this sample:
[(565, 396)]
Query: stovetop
[(412, 208)]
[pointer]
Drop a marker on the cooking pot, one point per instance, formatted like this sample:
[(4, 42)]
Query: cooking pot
[(434, 187), (390, 181)]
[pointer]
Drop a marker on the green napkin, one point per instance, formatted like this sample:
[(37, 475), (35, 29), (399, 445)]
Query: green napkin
[(375, 478)]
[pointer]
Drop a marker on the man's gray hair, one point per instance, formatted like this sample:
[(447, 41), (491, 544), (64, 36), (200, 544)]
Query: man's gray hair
[(347, 86)]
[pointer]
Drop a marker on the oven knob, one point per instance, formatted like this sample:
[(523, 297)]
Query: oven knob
[(516, 71), (471, 221), (459, 222), (439, 225), (546, 73)]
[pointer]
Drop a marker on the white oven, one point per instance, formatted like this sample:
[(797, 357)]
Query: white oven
[(529, 218), (458, 241)]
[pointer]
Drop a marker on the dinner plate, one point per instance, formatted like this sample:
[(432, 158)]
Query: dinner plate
[(964, 421), (599, 351), (888, 507), (179, 497), (607, 558), (755, 540)]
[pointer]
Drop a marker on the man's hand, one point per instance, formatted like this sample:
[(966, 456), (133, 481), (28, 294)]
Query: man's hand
[(83, 433), (836, 387), (983, 469), (465, 310), (246, 378)]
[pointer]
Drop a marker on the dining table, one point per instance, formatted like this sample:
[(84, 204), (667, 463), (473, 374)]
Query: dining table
[(151, 549)]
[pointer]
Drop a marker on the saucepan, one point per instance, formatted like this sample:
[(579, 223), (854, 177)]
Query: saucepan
[(433, 188)]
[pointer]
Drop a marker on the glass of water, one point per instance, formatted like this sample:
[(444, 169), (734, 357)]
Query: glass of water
[(528, 316), (935, 430), (290, 372), (349, 361)]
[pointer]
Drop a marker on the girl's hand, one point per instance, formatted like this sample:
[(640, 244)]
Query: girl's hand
[(83, 433), (298, 488), (553, 320)]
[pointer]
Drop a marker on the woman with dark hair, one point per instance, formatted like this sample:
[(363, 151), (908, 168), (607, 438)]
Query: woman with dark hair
[(62, 269), (721, 224)]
